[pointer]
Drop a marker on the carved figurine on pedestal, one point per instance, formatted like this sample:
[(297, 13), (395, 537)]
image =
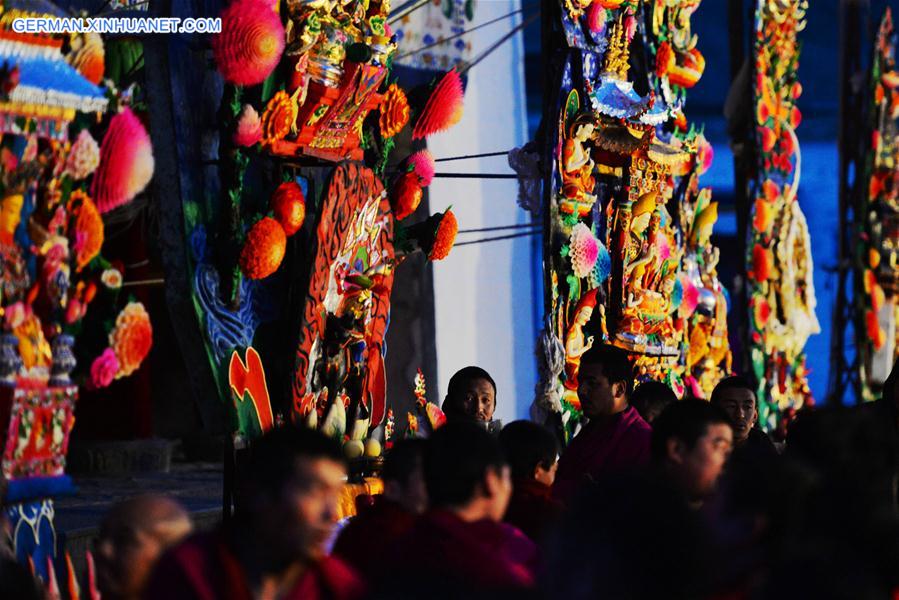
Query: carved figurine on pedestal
[(678, 61), (64, 361), (650, 274), (641, 246), (331, 368), (15, 280), (577, 343), (578, 182), (341, 49), (19, 318), (10, 361), (353, 312)]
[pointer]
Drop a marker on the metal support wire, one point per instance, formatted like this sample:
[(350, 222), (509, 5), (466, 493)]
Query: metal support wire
[(458, 35), (503, 227), (500, 237), (405, 9), (499, 42), (476, 175), (467, 156)]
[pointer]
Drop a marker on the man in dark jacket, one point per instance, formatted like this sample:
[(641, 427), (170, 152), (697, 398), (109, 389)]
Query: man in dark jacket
[(735, 396)]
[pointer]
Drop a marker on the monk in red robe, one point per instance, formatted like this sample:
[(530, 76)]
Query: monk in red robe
[(616, 436), (532, 452), (460, 546), (275, 545), (362, 542), (133, 535)]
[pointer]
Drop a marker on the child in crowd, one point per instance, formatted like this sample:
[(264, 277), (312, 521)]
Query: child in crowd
[(651, 398), (460, 546), (532, 452), (133, 535), (391, 515)]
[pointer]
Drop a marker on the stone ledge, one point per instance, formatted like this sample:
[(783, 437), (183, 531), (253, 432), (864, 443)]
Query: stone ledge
[(120, 458)]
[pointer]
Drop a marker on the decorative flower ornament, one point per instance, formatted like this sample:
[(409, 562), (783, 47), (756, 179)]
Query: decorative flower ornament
[(423, 164), (443, 109), (434, 236), (278, 118), (264, 249), (596, 19), (289, 206), (763, 218), (406, 195), (665, 59), (132, 338), (126, 162), (705, 154), (583, 249), (249, 127), (445, 237), (88, 228), (762, 263), (690, 296), (84, 156), (111, 278), (394, 111), (436, 417), (104, 369), (251, 42)]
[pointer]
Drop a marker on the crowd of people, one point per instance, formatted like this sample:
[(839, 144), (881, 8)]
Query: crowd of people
[(654, 497)]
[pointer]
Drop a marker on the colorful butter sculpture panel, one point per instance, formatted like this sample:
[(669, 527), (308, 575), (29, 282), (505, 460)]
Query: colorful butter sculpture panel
[(36, 422), (57, 182), (340, 356), (779, 262), (340, 53), (37, 432), (310, 114), (628, 258), (877, 279)]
